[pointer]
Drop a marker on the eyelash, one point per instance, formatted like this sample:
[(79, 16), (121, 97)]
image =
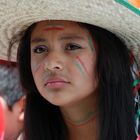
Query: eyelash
[(40, 49), (68, 47), (73, 47)]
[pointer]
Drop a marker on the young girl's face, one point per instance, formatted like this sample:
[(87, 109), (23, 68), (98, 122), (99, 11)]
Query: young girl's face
[(63, 62)]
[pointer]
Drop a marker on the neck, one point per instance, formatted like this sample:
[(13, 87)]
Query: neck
[(81, 112)]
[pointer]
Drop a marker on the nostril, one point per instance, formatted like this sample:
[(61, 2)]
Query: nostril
[(53, 66), (56, 68)]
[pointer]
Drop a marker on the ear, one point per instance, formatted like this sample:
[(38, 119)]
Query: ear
[(21, 106)]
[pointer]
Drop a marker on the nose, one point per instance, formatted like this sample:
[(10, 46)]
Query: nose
[(54, 62)]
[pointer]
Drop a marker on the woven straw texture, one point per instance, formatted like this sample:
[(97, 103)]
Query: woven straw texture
[(16, 15)]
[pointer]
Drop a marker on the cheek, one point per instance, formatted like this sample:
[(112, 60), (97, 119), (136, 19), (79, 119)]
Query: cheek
[(35, 67), (38, 74), (86, 66), (36, 63), (91, 65), (91, 82), (37, 70)]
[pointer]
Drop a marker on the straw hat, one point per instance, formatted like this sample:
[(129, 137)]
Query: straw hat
[(16, 15)]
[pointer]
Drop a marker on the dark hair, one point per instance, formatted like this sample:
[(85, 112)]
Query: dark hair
[(115, 86), (10, 87), (44, 120)]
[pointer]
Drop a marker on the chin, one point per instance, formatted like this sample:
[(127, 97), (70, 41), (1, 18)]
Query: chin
[(58, 102)]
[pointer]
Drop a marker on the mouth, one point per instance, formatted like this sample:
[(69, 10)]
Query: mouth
[(56, 83)]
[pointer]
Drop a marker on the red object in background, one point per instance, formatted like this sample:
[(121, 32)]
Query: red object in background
[(138, 138), (2, 125), (135, 3)]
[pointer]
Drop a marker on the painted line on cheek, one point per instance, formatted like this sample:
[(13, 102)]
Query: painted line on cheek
[(36, 67), (82, 65), (80, 68), (39, 68), (91, 45)]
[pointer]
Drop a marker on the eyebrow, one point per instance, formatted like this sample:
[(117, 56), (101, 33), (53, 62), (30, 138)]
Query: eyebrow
[(72, 37), (65, 37), (38, 40)]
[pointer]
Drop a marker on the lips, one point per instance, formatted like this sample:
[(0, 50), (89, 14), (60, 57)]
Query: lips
[(56, 83)]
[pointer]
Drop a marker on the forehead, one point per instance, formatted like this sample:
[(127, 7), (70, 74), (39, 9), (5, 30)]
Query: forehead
[(58, 25)]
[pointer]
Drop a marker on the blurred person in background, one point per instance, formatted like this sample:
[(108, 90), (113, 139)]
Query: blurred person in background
[(12, 101)]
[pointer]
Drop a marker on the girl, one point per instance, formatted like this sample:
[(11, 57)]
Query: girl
[(78, 76), (79, 82)]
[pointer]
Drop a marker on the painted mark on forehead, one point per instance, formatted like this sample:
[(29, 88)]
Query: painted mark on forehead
[(54, 27)]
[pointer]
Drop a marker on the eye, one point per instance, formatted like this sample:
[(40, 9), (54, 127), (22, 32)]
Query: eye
[(40, 49), (72, 47)]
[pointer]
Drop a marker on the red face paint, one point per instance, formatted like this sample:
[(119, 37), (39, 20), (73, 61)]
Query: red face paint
[(83, 65), (54, 28), (2, 123)]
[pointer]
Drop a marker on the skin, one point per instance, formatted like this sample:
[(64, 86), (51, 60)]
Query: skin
[(66, 54), (82, 67)]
